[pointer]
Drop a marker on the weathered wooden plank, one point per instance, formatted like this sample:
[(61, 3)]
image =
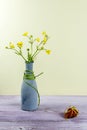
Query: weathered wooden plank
[(45, 126), (49, 116)]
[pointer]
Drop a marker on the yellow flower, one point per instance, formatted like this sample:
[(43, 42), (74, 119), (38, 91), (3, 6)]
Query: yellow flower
[(20, 44), (48, 51), (44, 40), (25, 34), (38, 39), (43, 33), (11, 45)]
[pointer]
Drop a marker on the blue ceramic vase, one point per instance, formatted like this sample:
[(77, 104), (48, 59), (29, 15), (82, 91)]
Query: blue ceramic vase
[(29, 95)]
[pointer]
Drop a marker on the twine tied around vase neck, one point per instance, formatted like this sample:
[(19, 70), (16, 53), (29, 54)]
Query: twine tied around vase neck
[(29, 74)]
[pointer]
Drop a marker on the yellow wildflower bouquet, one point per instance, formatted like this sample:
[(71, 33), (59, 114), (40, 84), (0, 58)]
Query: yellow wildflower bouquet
[(32, 50)]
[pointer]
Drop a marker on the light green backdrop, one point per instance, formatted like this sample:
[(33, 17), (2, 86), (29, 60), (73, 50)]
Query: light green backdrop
[(65, 70)]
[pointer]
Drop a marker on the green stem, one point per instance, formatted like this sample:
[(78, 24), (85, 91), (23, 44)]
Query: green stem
[(20, 53), (38, 74), (23, 57), (35, 90), (37, 49), (31, 48), (36, 53)]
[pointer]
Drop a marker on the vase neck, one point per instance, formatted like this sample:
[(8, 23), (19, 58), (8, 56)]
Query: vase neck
[(29, 66)]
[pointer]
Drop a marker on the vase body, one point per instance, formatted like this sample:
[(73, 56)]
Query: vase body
[(29, 97)]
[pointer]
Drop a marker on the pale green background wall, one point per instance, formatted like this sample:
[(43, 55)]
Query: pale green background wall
[(65, 70)]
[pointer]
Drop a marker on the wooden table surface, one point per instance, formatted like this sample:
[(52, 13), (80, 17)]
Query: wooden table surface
[(49, 116)]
